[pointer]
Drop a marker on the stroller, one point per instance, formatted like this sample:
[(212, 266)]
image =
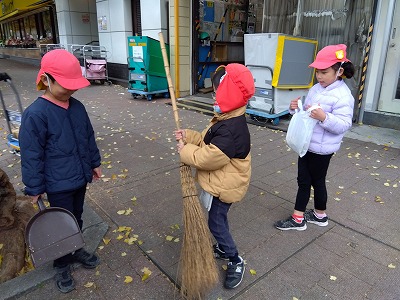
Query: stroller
[(13, 117)]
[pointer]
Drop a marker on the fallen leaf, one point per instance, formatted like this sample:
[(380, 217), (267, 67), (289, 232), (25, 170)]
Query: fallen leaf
[(89, 284), (176, 240), (391, 266), (146, 273), (106, 241), (1, 246), (120, 237), (123, 254), (253, 272), (224, 267), (97, 273), (128, 211), (101, 247), (121, 212), (169, 238), (333, 278), (128, 279)]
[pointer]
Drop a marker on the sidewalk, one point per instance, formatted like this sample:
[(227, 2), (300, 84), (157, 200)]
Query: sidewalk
[(352, 258)]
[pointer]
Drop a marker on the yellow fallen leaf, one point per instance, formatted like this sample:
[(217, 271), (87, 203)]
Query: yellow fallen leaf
[(106, 241), (123, 254), (89, 284), (123, 176), (97, 273), (121, 212), (176, 240), (130, 241), (123, 228), (333, 278), (169, 238), (1, 246), (120, 237), (10, 166), (101, 247), (391, 266), (105, 179), (253, 272), (224, 267), (386, 184), (128, 211), (294, 298), (133, 198), (146, 273), (128, 279)]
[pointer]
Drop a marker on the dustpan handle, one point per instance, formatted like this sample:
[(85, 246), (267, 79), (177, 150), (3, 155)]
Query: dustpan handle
[(41, 204)]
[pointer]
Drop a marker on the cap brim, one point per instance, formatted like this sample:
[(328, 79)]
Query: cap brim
[(321, 65), (72, 84), (69, 84)]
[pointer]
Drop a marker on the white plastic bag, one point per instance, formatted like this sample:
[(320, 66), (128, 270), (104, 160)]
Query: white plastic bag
[(300, 130), (206, 199)]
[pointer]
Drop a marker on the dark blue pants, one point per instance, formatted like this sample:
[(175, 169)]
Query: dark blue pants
[(312, 169), (73, 202), (219, 227)]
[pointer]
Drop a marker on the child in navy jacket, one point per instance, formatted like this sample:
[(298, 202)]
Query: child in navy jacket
[(59, 155)]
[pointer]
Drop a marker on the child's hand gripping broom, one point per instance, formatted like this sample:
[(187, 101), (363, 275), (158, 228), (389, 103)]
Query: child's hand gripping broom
[(198, 269)]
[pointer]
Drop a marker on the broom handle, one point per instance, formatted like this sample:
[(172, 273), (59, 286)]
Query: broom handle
[(170, 85)]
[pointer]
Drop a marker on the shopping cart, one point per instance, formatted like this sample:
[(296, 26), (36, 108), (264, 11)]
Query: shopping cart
[(13, 117), (95, 63)]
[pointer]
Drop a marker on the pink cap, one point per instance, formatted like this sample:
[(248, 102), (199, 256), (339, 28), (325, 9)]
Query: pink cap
[(330, 55), (65, 69)]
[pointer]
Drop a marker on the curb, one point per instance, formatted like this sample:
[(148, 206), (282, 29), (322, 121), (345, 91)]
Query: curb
[(94, 230)]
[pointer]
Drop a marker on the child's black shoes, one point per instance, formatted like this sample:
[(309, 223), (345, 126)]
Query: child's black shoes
[(234, 274), (88, 261), (64, 280)]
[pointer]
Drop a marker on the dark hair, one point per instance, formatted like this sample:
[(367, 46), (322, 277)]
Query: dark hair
[(216, 77), (348, 68), (51, 77)]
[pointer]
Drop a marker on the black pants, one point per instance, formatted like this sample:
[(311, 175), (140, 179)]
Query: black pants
[(312, 169), (73, 202)]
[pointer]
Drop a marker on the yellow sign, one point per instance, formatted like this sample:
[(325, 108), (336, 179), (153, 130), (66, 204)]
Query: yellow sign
[(10, 6)]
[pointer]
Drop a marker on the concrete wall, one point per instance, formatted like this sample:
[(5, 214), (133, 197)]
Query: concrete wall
[(154, 18), (77, 22), (114, 26)]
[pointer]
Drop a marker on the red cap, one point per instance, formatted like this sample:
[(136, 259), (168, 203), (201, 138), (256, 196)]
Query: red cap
[(330, 55), (65, 69), (236, 88)]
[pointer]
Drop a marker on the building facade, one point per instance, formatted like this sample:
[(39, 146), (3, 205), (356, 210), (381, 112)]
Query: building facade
[(205, 33)]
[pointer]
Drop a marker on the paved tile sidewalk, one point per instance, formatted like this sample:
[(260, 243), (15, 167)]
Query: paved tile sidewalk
[(352, 258)]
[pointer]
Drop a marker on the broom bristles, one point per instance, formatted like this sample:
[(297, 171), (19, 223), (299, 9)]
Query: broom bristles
[(198, 269)]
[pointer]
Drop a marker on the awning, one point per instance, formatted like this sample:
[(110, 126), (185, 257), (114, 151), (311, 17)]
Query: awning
[(24, 8)]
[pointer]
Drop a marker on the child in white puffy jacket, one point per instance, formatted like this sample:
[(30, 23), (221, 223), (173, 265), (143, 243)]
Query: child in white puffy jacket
[(334, 117)]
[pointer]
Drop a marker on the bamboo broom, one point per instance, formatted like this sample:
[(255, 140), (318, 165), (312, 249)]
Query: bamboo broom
[(198, 268)]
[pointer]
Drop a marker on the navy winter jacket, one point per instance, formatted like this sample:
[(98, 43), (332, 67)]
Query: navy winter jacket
[(58, 147)]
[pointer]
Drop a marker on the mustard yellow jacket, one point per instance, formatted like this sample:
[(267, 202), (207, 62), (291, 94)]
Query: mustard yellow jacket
[(221, 155)]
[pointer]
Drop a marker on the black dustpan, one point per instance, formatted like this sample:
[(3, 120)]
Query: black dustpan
[(51, 234)]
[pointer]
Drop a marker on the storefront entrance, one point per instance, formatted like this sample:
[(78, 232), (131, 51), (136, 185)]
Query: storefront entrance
[(390, 91)]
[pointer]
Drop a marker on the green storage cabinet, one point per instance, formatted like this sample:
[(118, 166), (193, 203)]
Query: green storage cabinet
[(146, 66)]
